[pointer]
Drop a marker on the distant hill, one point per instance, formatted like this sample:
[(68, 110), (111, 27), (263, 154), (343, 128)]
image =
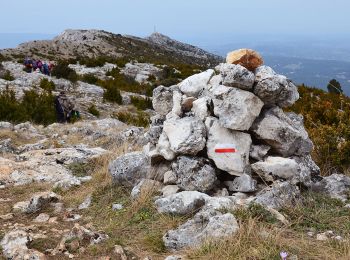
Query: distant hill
[(96, 43)]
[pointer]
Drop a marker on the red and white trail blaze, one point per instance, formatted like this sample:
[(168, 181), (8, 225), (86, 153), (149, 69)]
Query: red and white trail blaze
[(225, 148)]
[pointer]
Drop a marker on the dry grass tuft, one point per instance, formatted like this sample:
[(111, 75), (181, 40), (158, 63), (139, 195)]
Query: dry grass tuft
[(256, 240)]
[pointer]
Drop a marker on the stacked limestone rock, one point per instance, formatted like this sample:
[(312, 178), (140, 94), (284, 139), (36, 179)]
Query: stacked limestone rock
[(239, 104)]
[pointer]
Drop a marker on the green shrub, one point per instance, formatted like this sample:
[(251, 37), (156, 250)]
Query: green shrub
[(112, 94), (7, 76), (47, 85), (141, 103), (93, 110), (10, 109), (327, 120), (89, 78), (61, 70), (140, 119), (35, 107)]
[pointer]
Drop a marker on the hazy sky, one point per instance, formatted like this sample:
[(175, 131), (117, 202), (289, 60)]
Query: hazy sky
[(183, 19)]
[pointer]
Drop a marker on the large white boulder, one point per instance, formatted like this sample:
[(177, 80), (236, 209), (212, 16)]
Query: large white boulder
[(186, 135), (195, 84), (235, 163), (274, 89), (182, 203), (237, 109), (236, 76), (205, 225), (285, 133), (129, 168), (280, 194), (277, 167)]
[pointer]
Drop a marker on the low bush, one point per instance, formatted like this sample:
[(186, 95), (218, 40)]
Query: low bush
[(139, 118), (327, 120), (38, 108), (112, 94), (93, 110), (89, 78), (141, 103), (61, 70), (47, 85), (7, 76)]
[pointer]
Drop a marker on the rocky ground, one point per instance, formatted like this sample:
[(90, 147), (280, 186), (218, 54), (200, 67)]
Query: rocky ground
[(100, 189)]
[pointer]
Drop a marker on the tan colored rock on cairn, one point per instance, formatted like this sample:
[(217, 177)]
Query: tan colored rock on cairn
[(248, 58)]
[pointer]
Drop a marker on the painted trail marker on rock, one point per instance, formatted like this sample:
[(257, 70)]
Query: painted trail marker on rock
[(225, 148)]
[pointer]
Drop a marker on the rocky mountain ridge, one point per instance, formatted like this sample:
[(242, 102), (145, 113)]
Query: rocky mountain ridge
[(96, 43)]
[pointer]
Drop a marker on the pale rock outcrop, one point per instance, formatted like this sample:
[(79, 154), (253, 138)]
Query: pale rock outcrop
[(82, 236), (186, 135), (194, 174), (37, 202), (274, 89), (141, 72), (15, 246), (337, 186), (234, 163), (248, 58), (236, 76), (192, 86), (285, 133), (205, 225), (237, 109), (128, 169), (244, 183), (280, 194), (182, 203)]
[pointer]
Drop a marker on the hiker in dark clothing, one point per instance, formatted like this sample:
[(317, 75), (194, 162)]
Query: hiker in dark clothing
[(64, 108)]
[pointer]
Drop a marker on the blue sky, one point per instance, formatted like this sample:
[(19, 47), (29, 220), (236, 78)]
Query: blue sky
[(182, 19)]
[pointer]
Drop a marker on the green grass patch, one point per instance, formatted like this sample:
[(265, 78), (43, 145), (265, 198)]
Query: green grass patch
[(139, 118), (319, 212)]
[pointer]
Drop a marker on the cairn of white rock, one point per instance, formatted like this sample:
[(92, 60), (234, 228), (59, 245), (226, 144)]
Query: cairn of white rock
[(267, 161)]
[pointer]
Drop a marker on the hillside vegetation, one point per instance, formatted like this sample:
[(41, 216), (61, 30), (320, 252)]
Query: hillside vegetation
[(327, 120)]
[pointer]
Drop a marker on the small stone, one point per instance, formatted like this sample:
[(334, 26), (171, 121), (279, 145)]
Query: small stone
[(170, 178), (187, 104), (310, 234), (170, 190), (119, 252), (86, 203), (117, 207), (42, 218), (321, 237), (243, 183), (8, 216)]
